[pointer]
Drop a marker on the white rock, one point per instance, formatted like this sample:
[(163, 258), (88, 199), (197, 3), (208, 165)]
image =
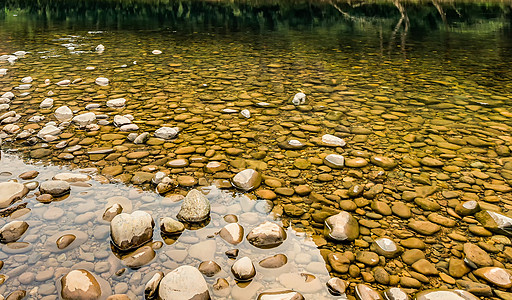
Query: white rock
[(47, 81), (119, 102), (20, 53), (11, 128), (3, 71), (36, 119), (92, 106), (64, 82), (100, 48), (243, 269), (72, 177), (23, 87), (4, 106), (84, 119), (46, 103), (129, 127), (11, 191), (27, 79), (90, 68), (8, 95), (48, 130), (131, 230), (156, 52), (63, 114), (184, 283), (299, 98), (167, 132), (246, 113), (121, 120), (333, 140), (102, 81)]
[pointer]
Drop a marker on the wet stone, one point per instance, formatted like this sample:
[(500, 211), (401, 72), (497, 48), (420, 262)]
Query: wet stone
[(494, 221), (129, 231), (65, 240), (334, 161), (55, 188), (495, 275), (386, 247), (424, 227), (476, 257), (12, 231), (395, 294), (364, 292), (247, 180), (10, 192), (425, 267), (336, 286), (209, 268), (195, 207), (80, 285), (243, 269), (185, 282), (139, 257), (232, 233), (287, 294), (112, 211), (467, 208), (445, 294), (341, 227), (151, 287), (170, 226), (267, 235), (273, 262), (384, 162), (332, 141), (367, 257)]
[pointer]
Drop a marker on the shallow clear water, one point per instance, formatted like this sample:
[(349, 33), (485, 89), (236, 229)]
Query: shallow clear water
[(432, 82)]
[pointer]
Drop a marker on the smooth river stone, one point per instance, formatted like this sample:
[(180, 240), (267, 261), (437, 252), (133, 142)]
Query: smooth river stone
[(364, 292), (384, 162), (80, 285), (243, 269), (333, 141), (247, 180), (341, 227), (10, 192), (184, 283), (386, 247), (170, 226), (267, 235), (334, 161), (476, 257), (495, 222), (12, 231), (395, 294), (357, 162), (445, 295), (129, 231), (232, 233), (424, 227), (336, 286), (209, 268), (139, 257), (495, 275), (281, 295), (55, 188), (273, 262), (194, 208), (65, 241)]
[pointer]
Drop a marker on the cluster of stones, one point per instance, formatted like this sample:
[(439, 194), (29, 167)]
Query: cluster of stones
[(419, 184)]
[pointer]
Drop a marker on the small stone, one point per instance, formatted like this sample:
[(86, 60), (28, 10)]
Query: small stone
[(129, 231), (445, 294), (167, 133), (11, 192), (247, 180), (425, 267), (287, 294), (139, 257), (102, 81), (333, 141), (55, 188), (65, 241), (232, 233), (424, 227), (334, 161), (386, 247), (273, 262), (476, 257), (267, 235), (341, 227), (364, 292), (495, 275), (384, 162), (195, 207), (79, 285), (243, 269), (209, 268), (184, 283), (170, 226), (151, 287), (12, 231), (336, 286)]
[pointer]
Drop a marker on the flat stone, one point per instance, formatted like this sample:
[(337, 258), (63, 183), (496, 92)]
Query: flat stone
[(79, 285), (10, 192), (55, 188), (267, 235), (495, 275), (424, 227), (247, 180), (445, 295), (341, 227), (184, 283)]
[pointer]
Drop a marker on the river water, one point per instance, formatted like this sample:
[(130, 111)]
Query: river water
[(419, 92)]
